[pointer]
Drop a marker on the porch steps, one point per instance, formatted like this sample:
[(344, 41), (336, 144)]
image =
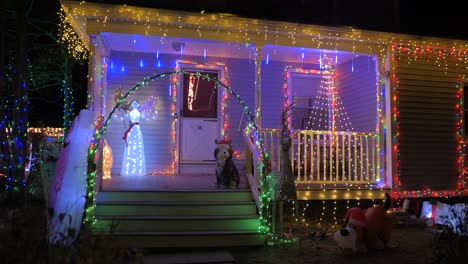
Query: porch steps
[(182, 218)]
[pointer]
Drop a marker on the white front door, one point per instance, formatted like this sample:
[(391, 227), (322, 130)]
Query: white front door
[(199, 117), (198, 136)]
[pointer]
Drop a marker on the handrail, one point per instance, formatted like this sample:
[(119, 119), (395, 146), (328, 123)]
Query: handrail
[(252, 175)]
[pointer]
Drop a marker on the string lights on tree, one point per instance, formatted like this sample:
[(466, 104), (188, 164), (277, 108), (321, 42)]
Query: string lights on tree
[(252, 129), (156, 23), (68, 37)]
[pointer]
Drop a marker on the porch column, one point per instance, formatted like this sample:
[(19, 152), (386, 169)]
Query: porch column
[(100, 84), (98, 56), (91, 71), (390, 157), (258, 85)]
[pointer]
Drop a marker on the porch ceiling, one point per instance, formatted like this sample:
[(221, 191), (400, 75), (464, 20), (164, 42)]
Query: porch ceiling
[(197, 47)]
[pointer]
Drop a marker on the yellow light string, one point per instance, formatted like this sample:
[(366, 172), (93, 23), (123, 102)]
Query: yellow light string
[(68, 37), (273, 33), (47, 131)]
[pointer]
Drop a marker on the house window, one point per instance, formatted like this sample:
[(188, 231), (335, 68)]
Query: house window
[(310, 94)]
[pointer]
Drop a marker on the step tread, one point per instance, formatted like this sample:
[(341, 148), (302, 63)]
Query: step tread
[(187, 233), (219, 190), (174, 203), (151, 217)]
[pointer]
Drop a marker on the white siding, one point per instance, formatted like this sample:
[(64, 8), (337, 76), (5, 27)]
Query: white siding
[(157, 133), (272, 91), (357, 90)]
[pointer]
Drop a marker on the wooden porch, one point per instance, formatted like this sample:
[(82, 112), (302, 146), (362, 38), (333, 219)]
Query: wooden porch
[(177, 182), (205, 182), (327, 165)]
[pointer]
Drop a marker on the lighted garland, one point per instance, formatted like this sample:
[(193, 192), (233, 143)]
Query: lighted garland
[(77, 49), (208, 66), (14, 142), (382, 119), (265, 217), (239, 31), (68, 37), (461, 186), (175, 83), (462, 177), (68, 107), (7, 158), (327, 71)]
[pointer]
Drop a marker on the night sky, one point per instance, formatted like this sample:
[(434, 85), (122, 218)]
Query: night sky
[(442, 19), (445, 19)]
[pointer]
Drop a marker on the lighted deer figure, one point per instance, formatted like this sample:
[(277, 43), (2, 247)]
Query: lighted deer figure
[(281, 183)]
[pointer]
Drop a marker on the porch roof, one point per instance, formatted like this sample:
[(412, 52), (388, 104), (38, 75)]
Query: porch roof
[(94, 18)]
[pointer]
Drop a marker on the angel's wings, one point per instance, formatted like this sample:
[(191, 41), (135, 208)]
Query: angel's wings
[(148, 107)]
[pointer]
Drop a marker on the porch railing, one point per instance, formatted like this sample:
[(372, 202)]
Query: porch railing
[(328, 157), (252, 159)]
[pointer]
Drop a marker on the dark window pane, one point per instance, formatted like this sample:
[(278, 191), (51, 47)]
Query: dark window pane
[(200, 95)]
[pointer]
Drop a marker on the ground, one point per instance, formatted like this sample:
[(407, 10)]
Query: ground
[(408, 245)]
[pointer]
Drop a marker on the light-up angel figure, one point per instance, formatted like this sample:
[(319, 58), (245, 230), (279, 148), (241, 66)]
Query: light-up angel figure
[(134, 162)]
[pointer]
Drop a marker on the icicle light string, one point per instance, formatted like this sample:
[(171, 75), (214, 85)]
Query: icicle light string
[(265, 215)]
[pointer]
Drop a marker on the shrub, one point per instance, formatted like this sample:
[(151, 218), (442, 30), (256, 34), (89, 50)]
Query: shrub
[(450, 244)]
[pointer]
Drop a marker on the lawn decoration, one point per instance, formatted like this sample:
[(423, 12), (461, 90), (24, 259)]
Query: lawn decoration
[(227, 174), (281, 183), (438, 214), (67, 195), (365, 229)]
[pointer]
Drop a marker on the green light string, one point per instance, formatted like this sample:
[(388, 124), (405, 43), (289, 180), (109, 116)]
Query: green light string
[(14, 124), (14, 141), (68, 104), (265, 216)]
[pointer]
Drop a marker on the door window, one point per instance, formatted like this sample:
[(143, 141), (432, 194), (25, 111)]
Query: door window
[(200, 95)]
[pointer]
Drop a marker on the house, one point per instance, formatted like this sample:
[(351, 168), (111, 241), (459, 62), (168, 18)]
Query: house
[(373, 111)]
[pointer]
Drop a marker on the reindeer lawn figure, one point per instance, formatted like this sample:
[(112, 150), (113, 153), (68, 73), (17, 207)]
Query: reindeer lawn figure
[(281, 183)]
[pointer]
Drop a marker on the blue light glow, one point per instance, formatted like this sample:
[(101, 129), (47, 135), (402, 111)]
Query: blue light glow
[(142, 64), (268, 58), (320, 61), (122, 69)]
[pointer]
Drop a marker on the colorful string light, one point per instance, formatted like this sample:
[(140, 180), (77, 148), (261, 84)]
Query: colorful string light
[(219, 26), (68, 37)]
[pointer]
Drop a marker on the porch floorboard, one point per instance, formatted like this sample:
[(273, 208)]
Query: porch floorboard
[(179, 182)]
